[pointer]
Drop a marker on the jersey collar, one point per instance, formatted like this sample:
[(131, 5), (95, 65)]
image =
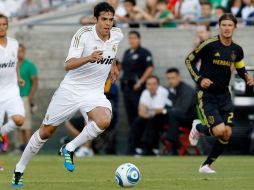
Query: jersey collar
[(98, 38)]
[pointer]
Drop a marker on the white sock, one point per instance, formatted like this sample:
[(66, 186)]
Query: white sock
[(34, 145), (8, 127), (90, 131)]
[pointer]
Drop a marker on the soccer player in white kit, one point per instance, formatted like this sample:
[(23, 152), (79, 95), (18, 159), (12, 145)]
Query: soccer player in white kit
[(89, 63), (10, 100)]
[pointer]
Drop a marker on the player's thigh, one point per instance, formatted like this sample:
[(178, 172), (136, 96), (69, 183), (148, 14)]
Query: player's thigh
[(62, 107), (15, 107), (209, 108), (226, 108), (98, 109)]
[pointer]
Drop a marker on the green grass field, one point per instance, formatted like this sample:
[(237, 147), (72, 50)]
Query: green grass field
[(158, 173)]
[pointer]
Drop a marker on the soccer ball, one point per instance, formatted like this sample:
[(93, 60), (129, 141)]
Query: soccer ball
[(127, 175)]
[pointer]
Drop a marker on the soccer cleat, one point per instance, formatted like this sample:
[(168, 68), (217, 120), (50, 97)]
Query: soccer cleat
[(194, 134), (68, 159), (206, 169), (17, 179)]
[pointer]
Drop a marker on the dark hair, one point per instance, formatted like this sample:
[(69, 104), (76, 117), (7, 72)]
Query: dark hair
[(173, 70), (135, 33), (22, 46), (206, 3), (228, 16), (133, 2), (222, 8), (103, 6), (153, 77), (3, 16)]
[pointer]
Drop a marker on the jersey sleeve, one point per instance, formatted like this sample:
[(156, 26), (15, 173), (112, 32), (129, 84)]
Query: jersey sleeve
[(192, 60), (239, 63), (77, 45)]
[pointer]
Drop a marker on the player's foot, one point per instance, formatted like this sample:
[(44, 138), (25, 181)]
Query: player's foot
[(68, 159), (194, 134), (17, 179), (206, 169)]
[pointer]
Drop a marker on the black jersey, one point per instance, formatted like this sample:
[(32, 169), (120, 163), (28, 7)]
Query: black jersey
[(216, 60)]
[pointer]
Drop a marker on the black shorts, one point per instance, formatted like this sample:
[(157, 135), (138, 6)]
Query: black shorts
[(78, 122), (216, 108)]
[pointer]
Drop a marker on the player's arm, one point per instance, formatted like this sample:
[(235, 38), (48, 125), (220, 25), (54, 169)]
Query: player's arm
[(114, 72), (74, 63), (241, 70), (21, 82), (191, 62)]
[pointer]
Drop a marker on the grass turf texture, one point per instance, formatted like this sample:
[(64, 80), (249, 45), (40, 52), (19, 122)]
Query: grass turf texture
[(157, 173)]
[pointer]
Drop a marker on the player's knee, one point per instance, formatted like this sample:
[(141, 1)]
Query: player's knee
[(46, 131), (227, 133), (19, 120), (219, 131), (103, 123)]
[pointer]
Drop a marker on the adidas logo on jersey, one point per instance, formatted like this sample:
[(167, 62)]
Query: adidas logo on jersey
[(106, 61), (217, 54)]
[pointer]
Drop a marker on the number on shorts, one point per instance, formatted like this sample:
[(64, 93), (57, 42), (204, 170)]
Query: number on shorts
[(230, 117)]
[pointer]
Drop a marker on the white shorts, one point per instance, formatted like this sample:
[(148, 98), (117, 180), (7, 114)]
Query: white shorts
[(64, 104), (12, 106)]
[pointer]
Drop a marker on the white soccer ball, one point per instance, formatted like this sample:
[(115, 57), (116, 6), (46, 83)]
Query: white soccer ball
[(127, 175)]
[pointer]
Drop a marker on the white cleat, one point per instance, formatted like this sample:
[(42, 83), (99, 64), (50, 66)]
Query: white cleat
[(206, 169), (194, 134)]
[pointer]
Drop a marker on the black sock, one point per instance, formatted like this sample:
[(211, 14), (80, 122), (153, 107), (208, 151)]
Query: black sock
[(217, 150), (203, 129)]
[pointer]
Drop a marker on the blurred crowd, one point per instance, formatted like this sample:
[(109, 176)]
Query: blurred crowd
[(149, 13), (178, 13)]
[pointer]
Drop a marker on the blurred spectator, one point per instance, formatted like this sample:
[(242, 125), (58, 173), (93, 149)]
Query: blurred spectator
[(28, 73), (132, 13), (220, 3), (206, 13), (236, 7), (171, 5), (183, 111), (188, 10), (151, 12), (30, 8), (219, 11), (137, 66), (165, 17), (202, 33), (247, 10), (144, 132)]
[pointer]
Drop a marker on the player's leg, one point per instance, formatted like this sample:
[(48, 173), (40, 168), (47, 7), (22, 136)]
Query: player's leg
[(221, 129), (16, 112), (60, 109), (207, 108), (99, 120)]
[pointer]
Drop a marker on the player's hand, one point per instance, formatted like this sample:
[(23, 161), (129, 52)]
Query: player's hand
[(114, 73), (96, 56), (249, 79), (21, 82), (205, 83)]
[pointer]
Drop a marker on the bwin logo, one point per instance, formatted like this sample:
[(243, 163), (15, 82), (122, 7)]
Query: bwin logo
[(106, 61)]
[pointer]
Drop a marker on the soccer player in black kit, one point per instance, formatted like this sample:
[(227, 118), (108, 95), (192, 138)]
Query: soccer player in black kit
[(217, 54)]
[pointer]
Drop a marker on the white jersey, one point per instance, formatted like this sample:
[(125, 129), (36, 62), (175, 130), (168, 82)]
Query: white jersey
[(92, 76), (8, 75), (158, 101)]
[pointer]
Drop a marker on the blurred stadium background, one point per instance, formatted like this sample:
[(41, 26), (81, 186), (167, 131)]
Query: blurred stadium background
[(47, 34)]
